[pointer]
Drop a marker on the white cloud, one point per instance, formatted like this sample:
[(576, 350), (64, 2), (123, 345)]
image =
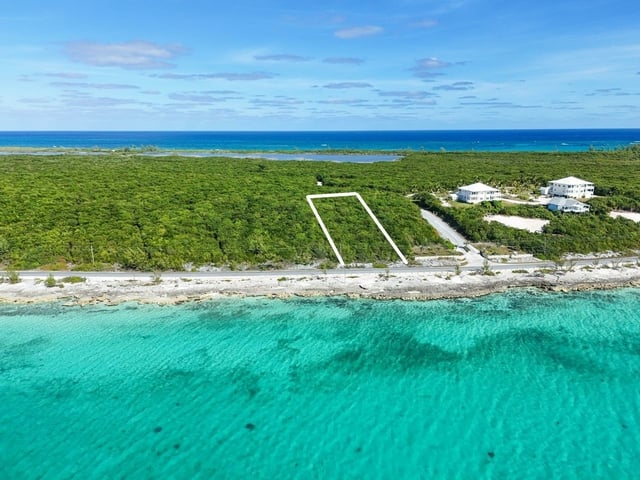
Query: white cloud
[(279, 101), (341, 85), (83, 101), (414, 95), (428, 68), (430, 23), (98, 86), (282, 57), (356, 32), (344, 101), (455, 86), (70, 76), (432, 62), (35, 101), (344, 60), (495, 103), (195, 98), (230, 76), (129, 55)]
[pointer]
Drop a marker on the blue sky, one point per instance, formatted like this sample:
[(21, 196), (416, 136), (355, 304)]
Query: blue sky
[(309, 65)]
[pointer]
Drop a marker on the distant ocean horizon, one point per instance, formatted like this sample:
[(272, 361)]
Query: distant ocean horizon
[(547, 140)]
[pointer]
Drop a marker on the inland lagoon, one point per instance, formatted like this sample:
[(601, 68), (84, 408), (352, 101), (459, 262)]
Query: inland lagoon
[(522, 384)]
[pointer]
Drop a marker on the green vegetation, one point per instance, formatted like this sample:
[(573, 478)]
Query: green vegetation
[(160, 213), (73, 279), (486, 269), (13, 277), (566, 233), (616, 175)]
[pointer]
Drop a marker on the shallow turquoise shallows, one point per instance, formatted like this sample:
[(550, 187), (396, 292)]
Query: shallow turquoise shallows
[(517, 385)]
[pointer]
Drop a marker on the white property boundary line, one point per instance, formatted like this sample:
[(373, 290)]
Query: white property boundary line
[(310, 199)]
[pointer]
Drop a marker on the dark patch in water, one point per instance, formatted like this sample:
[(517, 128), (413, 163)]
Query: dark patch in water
[(24, 348), (491, 454), (246, 381), (58, 388), (394, 351), (546, 347), (285, 344), (18, 356), (630, 345), (46, 310), (176, 446), (157, 430), (250, 426), (170, 374)]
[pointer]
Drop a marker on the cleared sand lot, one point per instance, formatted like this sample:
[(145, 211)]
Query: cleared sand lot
[(630, 215), (533, 225)]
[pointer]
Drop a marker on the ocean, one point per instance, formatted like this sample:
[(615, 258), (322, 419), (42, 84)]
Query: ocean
[(525, 385), (432, 140)]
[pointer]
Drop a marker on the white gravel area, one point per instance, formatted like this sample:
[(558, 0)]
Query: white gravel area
[(533, 225), (630, 215)]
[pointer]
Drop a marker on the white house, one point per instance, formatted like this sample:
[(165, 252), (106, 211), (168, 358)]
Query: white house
[(563, 204), (571, 187), (478, 192)]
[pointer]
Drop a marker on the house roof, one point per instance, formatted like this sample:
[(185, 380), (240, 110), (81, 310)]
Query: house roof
[(562, 201), (571, 181), (479, 187)]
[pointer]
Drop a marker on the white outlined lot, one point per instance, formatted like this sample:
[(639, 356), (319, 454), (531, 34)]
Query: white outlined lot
[(310, 199)]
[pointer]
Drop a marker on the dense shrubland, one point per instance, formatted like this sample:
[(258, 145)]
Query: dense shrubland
[(565, 233), (164, 212), (616, 176), (140, 212)]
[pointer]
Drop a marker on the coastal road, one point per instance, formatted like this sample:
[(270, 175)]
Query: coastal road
[(309, 272)]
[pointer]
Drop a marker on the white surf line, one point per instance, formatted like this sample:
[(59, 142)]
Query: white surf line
[(310, 199)]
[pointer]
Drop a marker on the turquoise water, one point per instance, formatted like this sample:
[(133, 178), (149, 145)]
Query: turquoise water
[(549, 140), (517, 385)]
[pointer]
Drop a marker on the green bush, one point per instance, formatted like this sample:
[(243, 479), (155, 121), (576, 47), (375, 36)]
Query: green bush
[(13, 277), (73, 279)]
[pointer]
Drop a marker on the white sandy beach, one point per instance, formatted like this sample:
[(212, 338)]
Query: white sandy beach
[(400, 283)]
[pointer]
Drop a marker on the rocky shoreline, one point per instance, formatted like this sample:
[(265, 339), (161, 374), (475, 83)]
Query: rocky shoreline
[(403, 284)]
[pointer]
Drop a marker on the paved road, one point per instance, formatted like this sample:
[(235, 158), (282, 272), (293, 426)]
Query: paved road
[(308, 272), (471, 254), (443, 228)]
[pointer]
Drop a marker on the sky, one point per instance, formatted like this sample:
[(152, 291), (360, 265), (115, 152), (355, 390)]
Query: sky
[(319, 65)]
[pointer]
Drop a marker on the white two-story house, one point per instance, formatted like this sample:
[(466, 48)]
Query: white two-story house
[(477, 192), (571, 187)]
